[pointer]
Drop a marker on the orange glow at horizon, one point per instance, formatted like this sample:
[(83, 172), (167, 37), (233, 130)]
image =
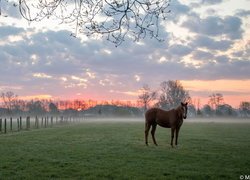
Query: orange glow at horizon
[(233, 91), (39, 96)]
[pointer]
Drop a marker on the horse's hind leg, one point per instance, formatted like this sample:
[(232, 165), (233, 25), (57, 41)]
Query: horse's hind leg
[(172, 136), (153, 133), (147, 128)]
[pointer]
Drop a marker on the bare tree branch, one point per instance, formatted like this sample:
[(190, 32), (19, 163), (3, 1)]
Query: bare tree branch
[(9, 99), (146, 96), (113, 19)]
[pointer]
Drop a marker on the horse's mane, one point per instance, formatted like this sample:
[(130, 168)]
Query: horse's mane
[(179, 108)]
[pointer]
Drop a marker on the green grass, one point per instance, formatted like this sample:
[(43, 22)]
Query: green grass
[(117, 151)]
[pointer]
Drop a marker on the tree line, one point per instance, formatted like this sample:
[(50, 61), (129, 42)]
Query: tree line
[(171, 93), (12, 105)]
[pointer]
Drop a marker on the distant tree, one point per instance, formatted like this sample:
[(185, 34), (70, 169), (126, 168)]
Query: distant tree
[(191, 110), (146, 96), (53, 108), (9, 100), (19, 106), (225, 110), (172, 93), (70, 112), (129, 104), (245, 109), (36, 107), (79, 105), (198, 112), (114, 19), (207, 110), (215, 100)]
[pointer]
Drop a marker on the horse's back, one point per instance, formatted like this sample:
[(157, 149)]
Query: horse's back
[(153, 114), (160, 116)]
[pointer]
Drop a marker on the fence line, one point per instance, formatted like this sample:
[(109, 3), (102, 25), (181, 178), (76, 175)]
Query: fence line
[(28, 124)]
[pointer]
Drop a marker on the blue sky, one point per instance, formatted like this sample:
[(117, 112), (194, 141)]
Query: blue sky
[(207, 44)]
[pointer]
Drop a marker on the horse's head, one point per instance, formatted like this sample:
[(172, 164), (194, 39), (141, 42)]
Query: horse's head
[(184, 110)]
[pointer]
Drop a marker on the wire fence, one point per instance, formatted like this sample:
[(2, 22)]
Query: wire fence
[(17, 124)]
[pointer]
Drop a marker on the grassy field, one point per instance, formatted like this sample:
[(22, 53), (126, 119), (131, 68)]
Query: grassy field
[(110, 150)]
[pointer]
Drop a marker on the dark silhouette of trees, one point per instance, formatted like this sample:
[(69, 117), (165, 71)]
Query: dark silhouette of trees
[(53, 108), (225, 110), (146, 96), (215, 100), (9, 100), (172, 93), (192, 111), (207, 110), (36, 107), (79, 105), (114, 19), (245, 109)]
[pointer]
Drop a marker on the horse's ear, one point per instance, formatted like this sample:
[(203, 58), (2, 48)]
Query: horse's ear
[(184, 104)]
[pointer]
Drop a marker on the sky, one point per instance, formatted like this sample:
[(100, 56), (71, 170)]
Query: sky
[(206, 46)]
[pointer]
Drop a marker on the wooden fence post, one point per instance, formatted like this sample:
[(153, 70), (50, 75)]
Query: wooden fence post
[(51, 121), (0, 125), (36, 123), (20, 123), (29, 122), (5, 125), (11, 124), (42, 123), (45, 121)]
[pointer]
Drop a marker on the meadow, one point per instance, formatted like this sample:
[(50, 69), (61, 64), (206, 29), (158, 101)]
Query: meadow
[(116, 150)]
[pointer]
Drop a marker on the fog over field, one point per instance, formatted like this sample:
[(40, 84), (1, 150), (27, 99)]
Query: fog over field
[(189, 120)]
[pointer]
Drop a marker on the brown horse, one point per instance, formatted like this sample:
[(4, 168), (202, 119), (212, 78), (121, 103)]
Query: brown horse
[(168, 119)]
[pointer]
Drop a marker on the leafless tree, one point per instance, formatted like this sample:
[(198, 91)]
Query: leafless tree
[(215, 100), (9, 100), (36, 107), (245, 109), (114, 19), (146, 96), (172, 93)]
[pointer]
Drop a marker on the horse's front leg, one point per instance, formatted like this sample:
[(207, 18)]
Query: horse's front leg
[(172, 136), (176, 135), (147, 128)]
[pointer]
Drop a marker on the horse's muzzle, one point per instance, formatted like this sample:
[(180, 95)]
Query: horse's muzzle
[(184, 117)]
